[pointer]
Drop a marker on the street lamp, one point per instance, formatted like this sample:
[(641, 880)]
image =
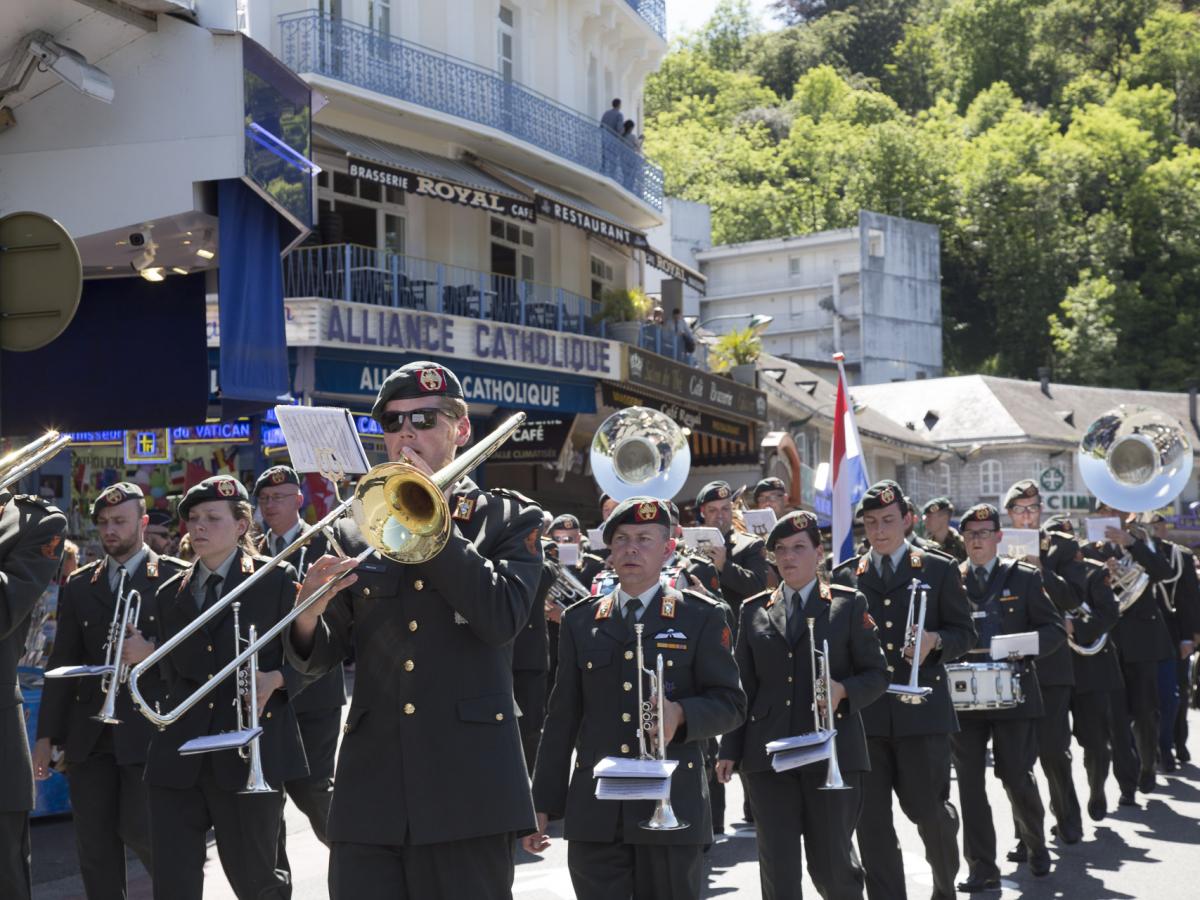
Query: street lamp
[(758, 321)]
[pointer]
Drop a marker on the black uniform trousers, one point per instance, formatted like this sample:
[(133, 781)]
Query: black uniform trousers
[(918, 770), (530, 690), (790, 809), (1181, 714), (312, 794), (480, 868), (16, 875), (111, 813), (247, 828), (1135, 724), (1054, 751), (618, 871), (1091, 716), (1014, 751)]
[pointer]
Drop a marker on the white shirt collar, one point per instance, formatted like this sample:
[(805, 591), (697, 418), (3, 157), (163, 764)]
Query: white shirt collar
[(645, 597), (897, 555), (293, 533), (131, 566), (797, 599)]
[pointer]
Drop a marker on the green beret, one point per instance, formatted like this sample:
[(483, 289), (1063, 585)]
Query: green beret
[(1059, 522), (417, 379), (792, 523), (769, 484), (637, 511), (981, 512), (160, 517), (714, 490), (564, 521), (937, 504), (881, 494), (219, 487), (115, 494), (1023, 489), (276, 475)]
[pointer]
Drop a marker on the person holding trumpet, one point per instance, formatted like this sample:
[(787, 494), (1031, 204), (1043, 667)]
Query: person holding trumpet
[(594, 712), (105, 760), (190, 794), (431, 784), (777, 637)]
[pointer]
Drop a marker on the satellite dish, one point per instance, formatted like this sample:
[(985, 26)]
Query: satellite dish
[(41, 280)]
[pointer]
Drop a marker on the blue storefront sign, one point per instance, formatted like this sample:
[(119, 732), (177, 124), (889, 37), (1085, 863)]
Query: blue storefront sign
[(501, 386)]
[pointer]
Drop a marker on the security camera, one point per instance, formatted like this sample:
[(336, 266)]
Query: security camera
[(138, 238)]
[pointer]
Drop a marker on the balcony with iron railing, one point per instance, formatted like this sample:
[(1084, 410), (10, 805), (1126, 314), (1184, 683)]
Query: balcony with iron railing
[(311, 43), (357, 274), (654, 12)]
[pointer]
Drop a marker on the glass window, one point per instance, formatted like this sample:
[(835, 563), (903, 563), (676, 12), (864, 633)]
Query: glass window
[(990, 478), (343, 184), (497, 227), (369, 190), (505, 39), (393, 233)]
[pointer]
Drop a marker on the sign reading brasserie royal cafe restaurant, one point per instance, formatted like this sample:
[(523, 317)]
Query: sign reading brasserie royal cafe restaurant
[(358, 326), (692, 386), (441, 189)]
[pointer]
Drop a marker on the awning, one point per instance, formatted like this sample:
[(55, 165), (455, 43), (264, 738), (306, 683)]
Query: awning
[(676, 270), (714, 441), (563, 206), (426, 175)]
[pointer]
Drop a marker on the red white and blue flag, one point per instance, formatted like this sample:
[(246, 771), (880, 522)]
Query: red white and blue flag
[(848, 468)]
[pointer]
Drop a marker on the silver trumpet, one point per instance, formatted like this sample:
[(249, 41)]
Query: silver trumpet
[(650, 714), (247, 719), (913, 692), (819, 663)]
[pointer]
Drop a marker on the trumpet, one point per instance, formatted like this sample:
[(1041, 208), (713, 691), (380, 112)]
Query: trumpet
[(247, 696), (819, 664), (912, 692), (402, 514), (650, 714), (28, 459)]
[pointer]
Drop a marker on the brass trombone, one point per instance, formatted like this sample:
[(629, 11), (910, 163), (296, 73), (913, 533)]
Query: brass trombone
[(28, 459), (402, 514)]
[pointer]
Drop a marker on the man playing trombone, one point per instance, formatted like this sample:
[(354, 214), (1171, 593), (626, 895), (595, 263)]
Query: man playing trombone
[(105, 759), (431, 784), (595, 712), (777, 640)]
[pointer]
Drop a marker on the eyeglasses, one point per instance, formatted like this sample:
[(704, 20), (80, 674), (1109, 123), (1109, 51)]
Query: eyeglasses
[(1028, 508), (421, 419), (981, 535)]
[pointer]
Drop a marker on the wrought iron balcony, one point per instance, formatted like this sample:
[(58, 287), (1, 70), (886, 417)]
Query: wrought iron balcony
[(654, 12), (316, 44)]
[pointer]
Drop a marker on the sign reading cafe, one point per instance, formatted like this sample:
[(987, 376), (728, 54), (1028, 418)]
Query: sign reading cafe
[(441, 189)]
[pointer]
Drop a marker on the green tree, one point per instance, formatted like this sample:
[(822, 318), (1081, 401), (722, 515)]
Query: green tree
[(1169, 54), (1084, 332)]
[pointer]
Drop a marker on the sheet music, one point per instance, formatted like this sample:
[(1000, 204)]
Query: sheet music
[(759, 521), (226, 740), (633, 788), (314, 433), (794, 759), (623, 767), (1020, 542), (568, 554), (699, 538), (1026, 643), (77, 671), (800, 741), (596, 538), (1097, 524)]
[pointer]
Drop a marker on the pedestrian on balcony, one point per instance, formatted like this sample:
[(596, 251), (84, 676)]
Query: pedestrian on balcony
[(683, 331), (614, 119), (630, 137)]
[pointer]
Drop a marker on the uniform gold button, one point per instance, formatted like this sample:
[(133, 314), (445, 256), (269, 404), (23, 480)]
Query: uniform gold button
[(887, 624), (624, 748), (691, 765), (152, 618), (210, 650), (418, 585), (627, 686), (787, 702), (499, 717), (210, 675), (589, 665), (887, 602), (346, 728), (268, 715), (210, 706), (670, 662), (409, 709), (409, 665), (625, 717), (789, 679), (790, 655), (629, 654), (366, 592), (891, 668), (412, 626), (891, 646)]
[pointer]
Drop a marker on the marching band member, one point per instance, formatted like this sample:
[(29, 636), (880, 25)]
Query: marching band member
[(31, 542), (594, 712), (1063, 580), (741, 560), (431, 783), (771, 493), (105, 763), (190, 794), (1006, 597), (937, 513), (565, 529), (908, 744), (776, 674)]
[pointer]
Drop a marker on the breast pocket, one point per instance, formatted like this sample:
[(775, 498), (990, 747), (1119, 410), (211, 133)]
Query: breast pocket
[(592, 660), (490, 710)]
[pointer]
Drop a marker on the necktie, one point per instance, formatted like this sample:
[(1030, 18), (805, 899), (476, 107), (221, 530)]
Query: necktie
[(116, 586), (795, 619), (210, 590), (981, 579), (631, 609), (887, 568)]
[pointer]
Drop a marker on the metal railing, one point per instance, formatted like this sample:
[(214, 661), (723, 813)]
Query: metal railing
[(654, 12), (320, 45)]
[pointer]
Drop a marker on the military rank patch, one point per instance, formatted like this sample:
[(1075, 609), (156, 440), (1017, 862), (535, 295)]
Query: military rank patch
[(531, 541), (667, 607), (863, 562), (96, 573), (605, 607), (464, 508), (826, 593), (726, 638), (151, 569), (868, 621), (915, 560), (247, 564), (50, 550)]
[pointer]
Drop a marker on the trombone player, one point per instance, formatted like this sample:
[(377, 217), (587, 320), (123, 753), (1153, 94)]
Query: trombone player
[(105, 762), (774, 648), (594, 712), (431, 783)]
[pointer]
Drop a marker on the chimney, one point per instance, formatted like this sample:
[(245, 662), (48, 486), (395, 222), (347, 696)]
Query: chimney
[(1044, 378)]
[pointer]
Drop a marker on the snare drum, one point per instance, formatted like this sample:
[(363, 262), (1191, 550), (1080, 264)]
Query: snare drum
[(984, 685)]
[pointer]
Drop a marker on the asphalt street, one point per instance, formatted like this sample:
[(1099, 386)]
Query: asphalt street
[(1151, 851)]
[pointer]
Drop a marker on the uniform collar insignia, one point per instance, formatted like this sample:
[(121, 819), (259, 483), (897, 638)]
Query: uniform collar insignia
[(667, 605), (464, 507), (915, 560), (1045, 542), (863, 562), (776, 594), (247, 564), (187, 577), (605, 607), (826, 593), (151, 568), (96, 573)]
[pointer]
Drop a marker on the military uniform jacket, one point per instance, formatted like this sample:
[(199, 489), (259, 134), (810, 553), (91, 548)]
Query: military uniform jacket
[(1064, 582), (594, 711), (946, 613), (1181, 598), (953, 545), (745, 573), (31, 533), (1014, 602), (202, 655), (1141, 633), (86, 605), (328, 691), (431, 750), (777, 676), (531, 648), (1102, 671)]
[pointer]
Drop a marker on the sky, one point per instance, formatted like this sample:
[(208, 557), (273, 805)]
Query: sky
[(687, 15)]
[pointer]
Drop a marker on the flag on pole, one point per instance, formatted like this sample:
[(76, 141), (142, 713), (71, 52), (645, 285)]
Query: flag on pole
[(849, 470)]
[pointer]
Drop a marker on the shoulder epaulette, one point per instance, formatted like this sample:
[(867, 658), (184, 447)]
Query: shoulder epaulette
[(86, 568), (764, 596), (939, 553), (706, 599), (35, 500), (510, 494), (173, 561), (841, 588), (1026, 567), (851, 562)]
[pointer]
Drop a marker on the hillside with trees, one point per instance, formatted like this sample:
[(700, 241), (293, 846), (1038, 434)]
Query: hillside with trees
[(1055, 142)]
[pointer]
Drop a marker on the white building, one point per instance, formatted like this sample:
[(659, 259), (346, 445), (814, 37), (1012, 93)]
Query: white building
[(872, 292)]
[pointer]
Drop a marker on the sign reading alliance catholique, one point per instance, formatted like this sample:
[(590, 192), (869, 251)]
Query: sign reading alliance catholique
[(441, 189)]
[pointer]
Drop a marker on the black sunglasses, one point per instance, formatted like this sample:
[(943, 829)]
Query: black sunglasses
[(421, 419)]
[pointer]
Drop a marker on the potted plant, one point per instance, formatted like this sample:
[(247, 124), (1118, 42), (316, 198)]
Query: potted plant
[(624, 310), (736, 354)]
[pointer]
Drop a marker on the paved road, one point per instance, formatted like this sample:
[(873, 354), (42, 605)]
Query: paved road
[(1152, 851)]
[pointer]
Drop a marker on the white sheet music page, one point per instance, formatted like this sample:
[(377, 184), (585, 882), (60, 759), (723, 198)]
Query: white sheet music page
[(322, 439)]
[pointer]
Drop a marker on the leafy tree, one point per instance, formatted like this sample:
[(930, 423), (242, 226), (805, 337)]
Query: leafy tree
[(1169, 54), (1084, 333)]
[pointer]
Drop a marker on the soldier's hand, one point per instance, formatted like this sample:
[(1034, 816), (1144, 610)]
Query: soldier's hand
[(673, 717), (1186, 648), (1069, 624), (554, 611), (1118, 536), (1111, 565), (928, 639), (716, 552), (325, 570), (416, 460), (41, 759), (837, 692), (267, 684), (136, 648), (537, 842), (724, 770)]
